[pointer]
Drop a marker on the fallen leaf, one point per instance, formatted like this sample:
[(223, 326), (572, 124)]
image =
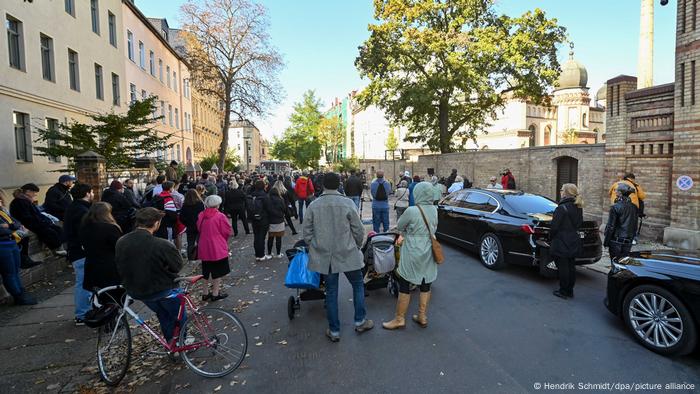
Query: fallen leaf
[(217, 388), (70, 340), (442, 373), (53, 386), (255, 324), (282, 342), (259, 344)]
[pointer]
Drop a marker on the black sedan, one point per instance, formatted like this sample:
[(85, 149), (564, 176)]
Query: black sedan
[(657, 294), (506, 226)]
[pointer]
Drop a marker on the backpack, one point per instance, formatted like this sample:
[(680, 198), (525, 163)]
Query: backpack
[(254, 207), (381, 192), (158, 203)]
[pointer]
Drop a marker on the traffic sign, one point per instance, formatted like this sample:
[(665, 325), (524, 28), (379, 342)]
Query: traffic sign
[(684, 182)]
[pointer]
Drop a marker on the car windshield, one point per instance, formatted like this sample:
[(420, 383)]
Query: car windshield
[(531, 204)]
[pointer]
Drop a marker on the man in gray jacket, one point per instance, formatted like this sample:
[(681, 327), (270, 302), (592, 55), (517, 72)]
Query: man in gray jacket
[(334, 233)]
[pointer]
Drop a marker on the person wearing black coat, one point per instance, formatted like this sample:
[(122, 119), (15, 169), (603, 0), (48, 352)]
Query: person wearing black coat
[(566, 243), (353, 188), (99, 234), (262, 224), (189, 213), (622, 223), (122, 210), (58, 197), (24, 209), (73, 221), (234, 206), (290, 199)]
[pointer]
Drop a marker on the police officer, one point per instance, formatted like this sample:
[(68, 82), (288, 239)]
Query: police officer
[(622, 223)]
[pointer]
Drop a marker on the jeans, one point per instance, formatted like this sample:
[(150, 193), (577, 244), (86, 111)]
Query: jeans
[(619, 250), (380, 216), (358, 298), (81, 296), (259, 232), (356, 200), (567, 274), (9, 268), (166, 308)]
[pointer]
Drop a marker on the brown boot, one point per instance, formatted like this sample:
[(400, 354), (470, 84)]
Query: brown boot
[(422, 317), (401, 308)]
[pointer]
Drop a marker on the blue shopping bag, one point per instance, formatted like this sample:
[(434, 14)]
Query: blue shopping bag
[(298, 274)]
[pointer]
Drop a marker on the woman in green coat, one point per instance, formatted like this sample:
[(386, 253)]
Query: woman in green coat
[(417, 265)]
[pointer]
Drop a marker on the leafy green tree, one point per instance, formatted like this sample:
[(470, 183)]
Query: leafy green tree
[(392, 143), (331, 134), (345, 165), (300, 142), (120, 138), (442, 68), (230, 164)]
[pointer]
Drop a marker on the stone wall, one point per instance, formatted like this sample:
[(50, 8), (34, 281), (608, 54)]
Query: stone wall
[(535, 169)]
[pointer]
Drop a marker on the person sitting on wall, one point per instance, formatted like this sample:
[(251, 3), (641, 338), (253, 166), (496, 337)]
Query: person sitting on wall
[(24, 209), (58, 197)]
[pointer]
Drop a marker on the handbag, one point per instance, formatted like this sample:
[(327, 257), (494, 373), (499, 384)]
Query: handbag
[(298, 274), (436, 247)]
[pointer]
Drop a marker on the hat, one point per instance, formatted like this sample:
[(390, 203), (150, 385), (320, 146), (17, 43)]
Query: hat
[(66, 178), (30, 187), (116, 185)]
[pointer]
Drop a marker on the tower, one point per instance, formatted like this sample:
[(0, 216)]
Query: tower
[(645, 57)]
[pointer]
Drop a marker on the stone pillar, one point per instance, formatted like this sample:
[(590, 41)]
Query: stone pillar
[(645, 57), (684, 231), (90, 168)]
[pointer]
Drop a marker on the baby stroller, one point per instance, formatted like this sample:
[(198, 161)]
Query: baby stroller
[(381, 261), (293, 303)]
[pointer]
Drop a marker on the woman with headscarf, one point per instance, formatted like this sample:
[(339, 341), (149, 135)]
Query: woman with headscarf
[(437, 189), (212, 248), (566, 242), (418, 267)]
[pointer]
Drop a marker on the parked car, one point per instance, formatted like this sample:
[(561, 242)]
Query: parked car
[(507, 227), (657, 294)]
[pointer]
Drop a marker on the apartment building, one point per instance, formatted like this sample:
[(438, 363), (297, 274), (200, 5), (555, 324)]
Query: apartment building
[(208, 121), (154, 68), (59, 60), (245, 138)]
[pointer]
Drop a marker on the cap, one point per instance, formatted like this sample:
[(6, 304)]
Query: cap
[(116, 185), (66, 178)]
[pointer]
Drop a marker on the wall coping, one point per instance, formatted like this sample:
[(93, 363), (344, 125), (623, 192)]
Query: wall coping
[(657, 90)]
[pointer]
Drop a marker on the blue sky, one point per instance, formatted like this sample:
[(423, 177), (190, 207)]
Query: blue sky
[(319, 40)]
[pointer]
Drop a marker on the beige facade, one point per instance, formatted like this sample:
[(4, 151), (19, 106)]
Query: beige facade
[(208, 121), (42, 46), (244, 137), (154, 68)]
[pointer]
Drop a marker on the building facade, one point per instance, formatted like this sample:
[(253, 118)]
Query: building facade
[(208, 122), (154, 68), (59, 61), (245, 138)]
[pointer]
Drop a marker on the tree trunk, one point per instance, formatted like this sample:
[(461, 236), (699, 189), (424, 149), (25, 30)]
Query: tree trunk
[(227, 123), (445, 137)]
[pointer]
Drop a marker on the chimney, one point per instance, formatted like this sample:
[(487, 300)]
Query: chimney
[(645, 59)]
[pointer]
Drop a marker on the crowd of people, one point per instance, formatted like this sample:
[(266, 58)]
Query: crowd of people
[(140, 238)]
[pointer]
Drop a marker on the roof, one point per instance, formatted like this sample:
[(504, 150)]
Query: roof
[(148, 22), (573, 74)]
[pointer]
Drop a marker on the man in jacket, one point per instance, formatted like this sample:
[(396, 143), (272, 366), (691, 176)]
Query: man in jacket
[(122, 210), (82, 199), (148, 267), (334, 233), (380, 202), (304, 189), (353, 188), (637, 196), (58, 197), (452, 177), (130, 194), (24, 209), (622, 223)]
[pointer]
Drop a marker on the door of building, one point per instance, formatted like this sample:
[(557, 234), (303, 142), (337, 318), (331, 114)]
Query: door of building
[(567, 172)]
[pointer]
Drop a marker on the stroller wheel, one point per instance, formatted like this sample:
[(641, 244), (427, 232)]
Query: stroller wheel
[(291, 307)]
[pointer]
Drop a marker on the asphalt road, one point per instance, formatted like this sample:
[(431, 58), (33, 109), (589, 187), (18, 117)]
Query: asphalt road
[(490, 331)]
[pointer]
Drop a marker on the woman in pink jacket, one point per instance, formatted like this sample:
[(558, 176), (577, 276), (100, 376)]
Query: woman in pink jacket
[(212, 247)]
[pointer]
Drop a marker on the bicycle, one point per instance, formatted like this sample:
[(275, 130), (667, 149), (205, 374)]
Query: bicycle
[(208, 333)]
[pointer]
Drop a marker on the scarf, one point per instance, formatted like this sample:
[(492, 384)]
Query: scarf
[(8, 219)]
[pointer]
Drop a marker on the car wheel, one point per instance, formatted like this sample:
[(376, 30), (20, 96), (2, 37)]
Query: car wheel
[(659, 321), (491, 252)]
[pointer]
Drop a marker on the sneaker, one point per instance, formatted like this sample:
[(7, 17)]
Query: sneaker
[(79, 322), (259, 258), (60, 252), (333, 337), (268, 257), (365, 326), (280, 256)]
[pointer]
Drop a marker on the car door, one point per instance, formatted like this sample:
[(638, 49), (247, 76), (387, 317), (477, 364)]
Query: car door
[(447, 216), (470, 214)]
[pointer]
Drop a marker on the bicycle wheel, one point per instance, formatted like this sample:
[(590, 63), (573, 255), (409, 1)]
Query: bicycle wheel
[(223, 341), (114, 350)]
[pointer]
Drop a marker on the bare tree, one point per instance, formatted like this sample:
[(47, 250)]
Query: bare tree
[(231, 57)]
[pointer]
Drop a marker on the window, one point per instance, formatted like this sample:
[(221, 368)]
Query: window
[(132, 93), (69, 6), (47, 69), (170, 115), (661, 149), (144, 95), (152, 63), (95, 14), (479, 202), (73, 70), (160, 70), (186, 88), (23, 139), (116, 99), (175, 80), (528, 203), (162, 112), (692, 82), (99, 83), (177, 119), (682, 84), (167, 74), (584, 120), (178, 153), (52, 125), (112, 21), (14, 43), (130, 45), (142, 56)]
